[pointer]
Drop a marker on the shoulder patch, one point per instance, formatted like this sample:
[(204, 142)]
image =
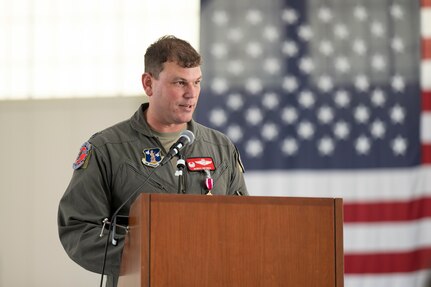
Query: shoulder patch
[(83, 156)]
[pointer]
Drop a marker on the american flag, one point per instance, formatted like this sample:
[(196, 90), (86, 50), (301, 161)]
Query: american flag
[(332, 99)]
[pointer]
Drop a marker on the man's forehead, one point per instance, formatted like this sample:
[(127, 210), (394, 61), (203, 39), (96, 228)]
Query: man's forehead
[(173, 70)]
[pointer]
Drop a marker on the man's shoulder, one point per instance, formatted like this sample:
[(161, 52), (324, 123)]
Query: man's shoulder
[(211, 135), (117, 133)]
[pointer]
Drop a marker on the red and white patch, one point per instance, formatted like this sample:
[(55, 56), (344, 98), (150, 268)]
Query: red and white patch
[(200, 163)]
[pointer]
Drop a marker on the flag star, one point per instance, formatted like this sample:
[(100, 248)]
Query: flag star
[(359, 47), (235, 67), (289, 16), (218, 117), (253, 85), (377, 29), (325, 114), (306, 65), (362, 83), (235, 34), (253, 116), (234, 132), (289, 48), (342, 64), (362, 145), (378, 62), (325, 83), (289, 146), (378, 129), (325, 14), (305, 130), (397, 83), (342, 98), (254, 17), (270, 101), (269, 131), (289, 115), (378, 98), (360, 13), (306, 99), (396, 11), (271, 33), (341, 130), (254, 49), (235, 102), (220, 18), (326, 48), (341, 31), (254, 148), (326, 146), (361, 114), (305, 32), (399, 145), (290, 84), (219, 85), (219, 50), (272, 66), (397, 114), (397, 44)]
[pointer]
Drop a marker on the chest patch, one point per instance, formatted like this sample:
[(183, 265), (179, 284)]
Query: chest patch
[(152, 157), (200, 163)]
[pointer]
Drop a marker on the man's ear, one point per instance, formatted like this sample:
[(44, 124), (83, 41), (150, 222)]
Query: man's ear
[(147, 84)]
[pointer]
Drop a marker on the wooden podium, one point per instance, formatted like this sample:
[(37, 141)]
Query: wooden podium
[(233, 241)]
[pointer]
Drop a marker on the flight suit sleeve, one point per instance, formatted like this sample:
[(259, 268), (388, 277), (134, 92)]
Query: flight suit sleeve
[(238, 186), (84, 205)]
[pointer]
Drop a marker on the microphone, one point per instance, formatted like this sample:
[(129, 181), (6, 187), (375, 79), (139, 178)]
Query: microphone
[(186, 137)]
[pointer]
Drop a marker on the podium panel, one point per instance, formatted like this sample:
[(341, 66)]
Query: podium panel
[(213, 241)]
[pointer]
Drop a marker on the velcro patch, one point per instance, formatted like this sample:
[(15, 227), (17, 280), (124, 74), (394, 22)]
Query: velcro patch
[(200, 163), (84, 153)]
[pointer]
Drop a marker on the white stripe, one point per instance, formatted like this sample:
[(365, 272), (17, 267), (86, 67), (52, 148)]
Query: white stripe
[(426, 22), (387, 237), (352, 186), (413, 279), (426, 75), (426, 127)]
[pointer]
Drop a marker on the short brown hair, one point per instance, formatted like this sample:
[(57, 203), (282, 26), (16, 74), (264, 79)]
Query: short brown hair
[(170, 49)]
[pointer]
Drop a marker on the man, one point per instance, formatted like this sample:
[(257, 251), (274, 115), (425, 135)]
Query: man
[(116, 163)]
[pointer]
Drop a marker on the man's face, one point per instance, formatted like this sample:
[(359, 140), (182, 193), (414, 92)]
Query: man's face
[(174, 95)]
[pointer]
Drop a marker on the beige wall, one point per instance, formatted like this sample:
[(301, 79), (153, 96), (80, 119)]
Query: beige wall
[(39, 141)]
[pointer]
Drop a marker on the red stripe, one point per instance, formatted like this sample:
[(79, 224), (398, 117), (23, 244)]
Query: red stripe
[(387, 211), (426, 100), (426, 3), (388, 262), (426, 153), (426, 48)]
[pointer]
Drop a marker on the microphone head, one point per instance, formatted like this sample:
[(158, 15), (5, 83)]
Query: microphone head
[(190, 137)]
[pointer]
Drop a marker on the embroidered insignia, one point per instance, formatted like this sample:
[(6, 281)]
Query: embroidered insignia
[(200, 163), (152, 157), (83, 156)]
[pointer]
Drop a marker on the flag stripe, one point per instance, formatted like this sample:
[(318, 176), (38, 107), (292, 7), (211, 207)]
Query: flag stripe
[(426, 128), (426, 153), (426, 3), (418, 278), (388, 211), (353, 187), (426, 100), (426, 47), (387, 237), (390, 262)]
